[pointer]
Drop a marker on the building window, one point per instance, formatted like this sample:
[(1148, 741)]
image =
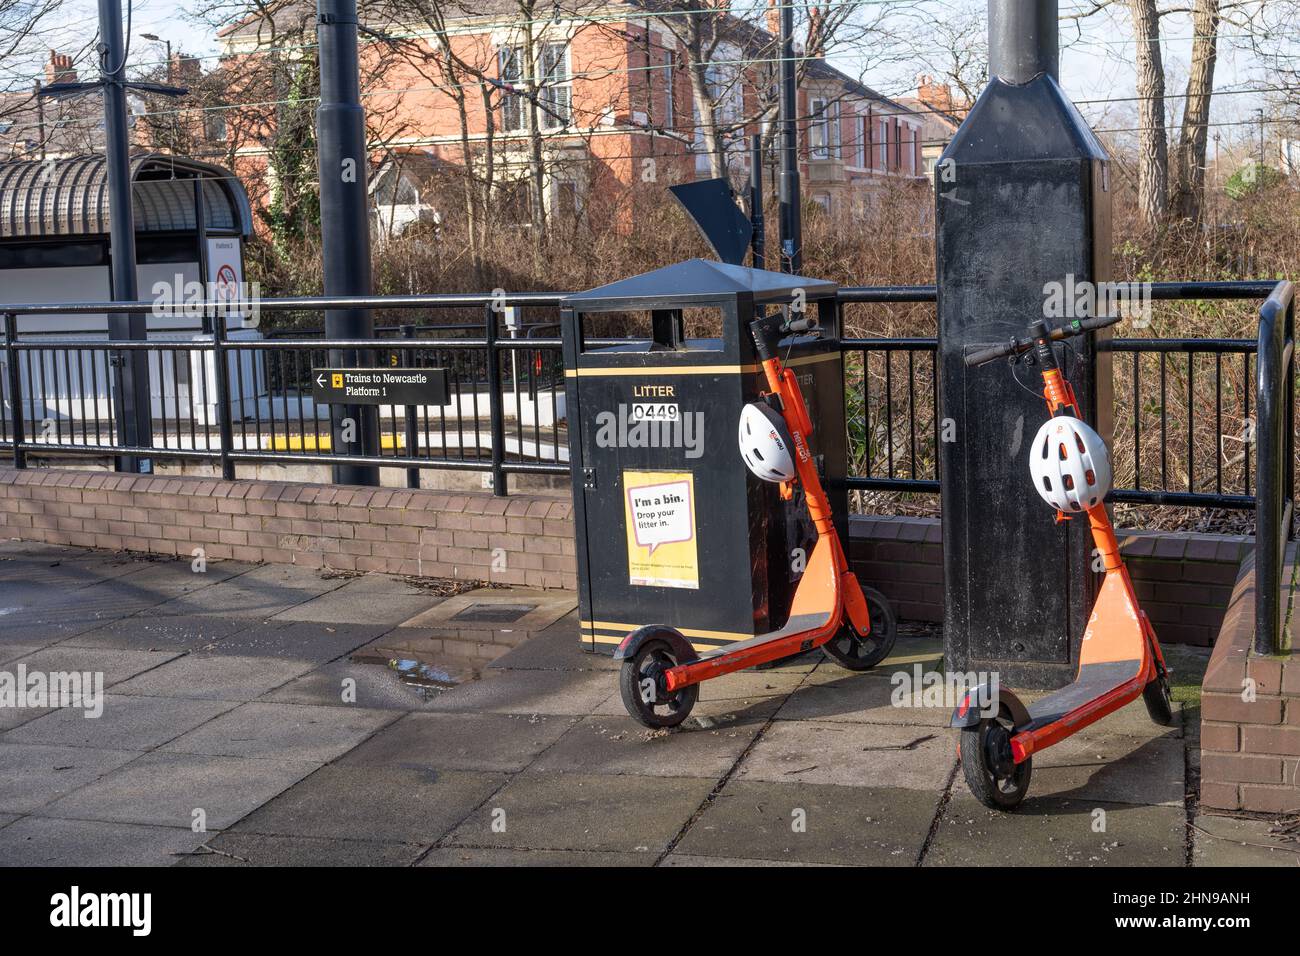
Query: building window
[(823, 133), (864, 131), (214, 125), (884, 144), (512, 74), (557, 90)]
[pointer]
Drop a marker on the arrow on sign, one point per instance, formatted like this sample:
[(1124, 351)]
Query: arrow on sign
[(320, 380)]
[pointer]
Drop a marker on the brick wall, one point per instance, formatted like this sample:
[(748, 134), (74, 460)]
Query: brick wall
[(1250, 748), (518, 540), (1184, 581)]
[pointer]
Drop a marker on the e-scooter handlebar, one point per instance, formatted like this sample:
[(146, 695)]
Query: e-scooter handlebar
[(1020, 345)]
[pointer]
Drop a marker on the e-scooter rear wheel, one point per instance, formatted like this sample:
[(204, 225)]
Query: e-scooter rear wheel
[(641, 684), (857, 653), (995, 779), (1160, 705)]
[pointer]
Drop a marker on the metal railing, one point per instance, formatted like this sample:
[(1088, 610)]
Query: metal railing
[(1275, 406), (229, 400)]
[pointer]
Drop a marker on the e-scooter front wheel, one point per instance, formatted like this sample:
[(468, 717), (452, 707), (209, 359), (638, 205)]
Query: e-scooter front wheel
[(857, 653), (641, 684), (995, 779)]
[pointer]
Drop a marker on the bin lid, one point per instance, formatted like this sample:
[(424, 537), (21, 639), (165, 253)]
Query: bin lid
[(696, 281)]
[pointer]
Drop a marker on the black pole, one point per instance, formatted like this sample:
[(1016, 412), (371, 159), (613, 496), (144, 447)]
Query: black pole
[(758, 239), (344, 224), (1024, 39), (131, 369), (791, 228)]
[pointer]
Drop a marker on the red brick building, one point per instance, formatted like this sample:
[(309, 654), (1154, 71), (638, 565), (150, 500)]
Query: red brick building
[(599, 95)]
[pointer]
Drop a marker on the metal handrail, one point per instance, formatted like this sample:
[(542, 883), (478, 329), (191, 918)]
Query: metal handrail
[(1275, 407)]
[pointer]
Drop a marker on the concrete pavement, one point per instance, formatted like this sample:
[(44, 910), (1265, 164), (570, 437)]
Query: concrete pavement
[(274, 715)]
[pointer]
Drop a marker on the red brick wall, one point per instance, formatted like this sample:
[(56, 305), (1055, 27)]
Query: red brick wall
[(1184, 581), (1250, 749), (518, 540)]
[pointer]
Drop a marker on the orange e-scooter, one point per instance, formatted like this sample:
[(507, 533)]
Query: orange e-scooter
[(661, 673), (1120, 658)]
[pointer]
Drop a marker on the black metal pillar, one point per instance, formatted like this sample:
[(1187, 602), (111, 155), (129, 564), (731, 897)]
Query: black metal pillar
[(791, 226), (345, 225), (758, 238), (1022, 202), (130, 368)]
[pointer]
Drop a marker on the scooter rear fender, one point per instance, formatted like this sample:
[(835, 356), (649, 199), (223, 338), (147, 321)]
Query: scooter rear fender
[(970, 709), (681, 647)]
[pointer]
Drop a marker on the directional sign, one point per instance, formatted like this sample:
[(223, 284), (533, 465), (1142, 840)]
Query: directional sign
[(379, 386)]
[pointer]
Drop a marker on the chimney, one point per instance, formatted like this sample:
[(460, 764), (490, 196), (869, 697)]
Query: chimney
[(773, 18), (59, 69), (816, 41), (184, 69)]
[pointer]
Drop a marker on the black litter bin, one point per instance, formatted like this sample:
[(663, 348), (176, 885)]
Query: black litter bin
[(671, 527)]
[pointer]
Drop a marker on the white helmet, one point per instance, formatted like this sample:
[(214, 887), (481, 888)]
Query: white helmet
[(765, 443), (1070, 464)]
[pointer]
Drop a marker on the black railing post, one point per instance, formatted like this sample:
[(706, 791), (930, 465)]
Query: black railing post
[(1272, 466), (15, 389), (495, 411), (225, 429), (412, 432)]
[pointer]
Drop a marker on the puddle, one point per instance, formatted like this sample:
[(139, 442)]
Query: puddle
[(424, 677)]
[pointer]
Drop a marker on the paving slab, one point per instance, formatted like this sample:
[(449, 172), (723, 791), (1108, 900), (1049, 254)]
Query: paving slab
[(11, 717), (164, 789), (8, 818), (68, 568), (564, 811), (11, 652), (1240, 841), (555, 649), (145, 632), (33, 775), (255, 849), (259, 593), (728, 862), (207, 676), (537, 609), (100, 602), (476, 856), (852, 755), (296, 640), (809, 823), (865, 699), (283, 731), (530, 692), (127, 723), (117, 665), (365, 600), (744, 696), (349, 683), (1109, 769), (620, 745), (1051, 831), (43, 633), (484, 742), (370, 803), (42, 841)]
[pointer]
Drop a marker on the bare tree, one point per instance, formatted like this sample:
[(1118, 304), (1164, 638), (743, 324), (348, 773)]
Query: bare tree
[(1188, 188)]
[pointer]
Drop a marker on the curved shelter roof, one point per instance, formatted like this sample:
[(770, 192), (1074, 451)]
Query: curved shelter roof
[(68, 198)]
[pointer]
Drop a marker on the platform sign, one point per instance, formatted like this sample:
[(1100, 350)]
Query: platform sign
[(379, 386)]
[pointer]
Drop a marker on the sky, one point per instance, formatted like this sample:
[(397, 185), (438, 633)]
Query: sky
[(1096, 59)]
